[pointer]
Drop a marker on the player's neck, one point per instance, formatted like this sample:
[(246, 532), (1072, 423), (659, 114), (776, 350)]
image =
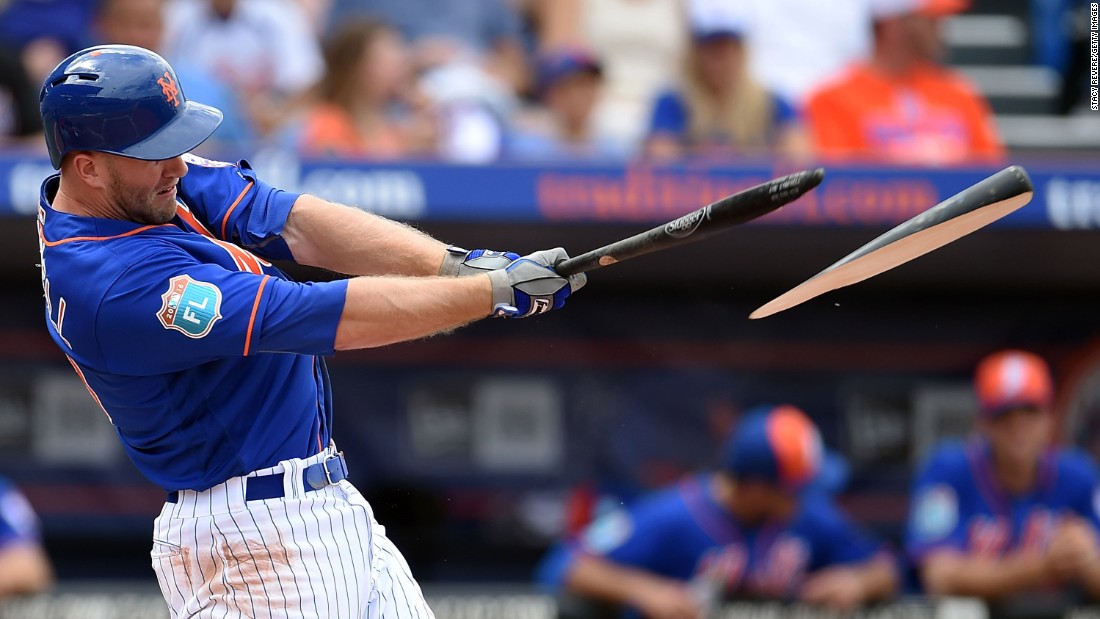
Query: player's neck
[(66, 201), (724, 491), (1014, 476)]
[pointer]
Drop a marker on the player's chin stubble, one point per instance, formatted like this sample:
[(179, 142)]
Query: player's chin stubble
[(139, 205)]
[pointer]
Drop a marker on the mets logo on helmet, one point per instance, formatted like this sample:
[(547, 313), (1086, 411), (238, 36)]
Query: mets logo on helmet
[(169, 88), (190, 306)]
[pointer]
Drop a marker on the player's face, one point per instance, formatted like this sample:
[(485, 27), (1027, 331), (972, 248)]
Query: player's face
[(758, 501), (144, 191), (1019, 436)]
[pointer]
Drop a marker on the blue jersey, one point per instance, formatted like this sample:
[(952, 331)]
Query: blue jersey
[(202, 354), (958, 503), (684, 534)]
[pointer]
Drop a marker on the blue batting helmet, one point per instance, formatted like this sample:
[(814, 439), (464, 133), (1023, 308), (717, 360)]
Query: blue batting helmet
[(123, 100)]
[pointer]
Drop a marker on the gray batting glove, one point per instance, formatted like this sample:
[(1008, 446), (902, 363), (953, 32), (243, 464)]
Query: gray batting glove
[(458, 262), (530, 285)]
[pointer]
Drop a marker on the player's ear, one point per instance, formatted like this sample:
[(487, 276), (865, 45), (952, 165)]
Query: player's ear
[(90, 168)]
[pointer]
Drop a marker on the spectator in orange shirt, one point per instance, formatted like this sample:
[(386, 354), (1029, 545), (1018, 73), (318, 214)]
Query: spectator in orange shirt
[(903, 106), (364, 104)]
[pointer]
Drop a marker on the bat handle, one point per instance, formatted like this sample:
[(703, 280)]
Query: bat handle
[(582, 263)]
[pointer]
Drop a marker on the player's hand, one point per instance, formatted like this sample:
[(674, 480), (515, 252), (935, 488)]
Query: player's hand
[(458, 262), (1073, 546), (530, 285), (666, 600), (837, 588)]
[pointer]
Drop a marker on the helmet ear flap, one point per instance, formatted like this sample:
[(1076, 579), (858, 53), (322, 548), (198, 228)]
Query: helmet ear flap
[(124, 100)]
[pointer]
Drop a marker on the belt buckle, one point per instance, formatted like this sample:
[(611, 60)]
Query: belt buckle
[(328, 474)]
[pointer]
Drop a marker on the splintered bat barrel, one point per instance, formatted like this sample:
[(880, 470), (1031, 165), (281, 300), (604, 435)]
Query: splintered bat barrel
[(726, 213), (967, 211)]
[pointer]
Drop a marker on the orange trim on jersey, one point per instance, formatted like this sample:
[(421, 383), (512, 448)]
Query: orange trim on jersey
[(320, 447), (187, 216), (252, 318), (80, 373), (232, 207), (74, 239)]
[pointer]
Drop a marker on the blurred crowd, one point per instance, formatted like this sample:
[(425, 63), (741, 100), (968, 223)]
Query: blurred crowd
[(484, 80)]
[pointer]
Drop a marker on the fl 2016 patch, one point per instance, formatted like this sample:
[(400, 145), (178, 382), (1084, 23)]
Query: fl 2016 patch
[(190, 306)]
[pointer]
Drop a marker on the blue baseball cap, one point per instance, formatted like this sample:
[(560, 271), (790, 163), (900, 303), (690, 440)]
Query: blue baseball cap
[(559, 64), (123, 100), (775, 444)]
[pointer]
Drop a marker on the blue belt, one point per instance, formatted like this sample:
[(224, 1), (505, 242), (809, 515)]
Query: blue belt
[(314, 477)]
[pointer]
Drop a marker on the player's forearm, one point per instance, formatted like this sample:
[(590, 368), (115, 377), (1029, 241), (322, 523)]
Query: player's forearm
[(386, 310), (878, 579), (954, 574), (24, 569), (1090, 580), (347, 240), (598, 578)]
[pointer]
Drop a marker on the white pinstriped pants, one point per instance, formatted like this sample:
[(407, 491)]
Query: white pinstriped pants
[(313, 555)]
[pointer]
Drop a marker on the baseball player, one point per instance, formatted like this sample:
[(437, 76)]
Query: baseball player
[(745, 531), (208, 360), (1004, 513)]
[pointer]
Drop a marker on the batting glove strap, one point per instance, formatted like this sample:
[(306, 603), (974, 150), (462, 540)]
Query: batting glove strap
[(458, 262), (530, 286)]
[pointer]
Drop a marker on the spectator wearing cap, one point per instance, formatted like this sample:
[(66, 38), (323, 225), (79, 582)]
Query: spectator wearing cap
[(745, 531), (569, 82), (1004, 514), (903, 106), (640, 44), (719, 109)]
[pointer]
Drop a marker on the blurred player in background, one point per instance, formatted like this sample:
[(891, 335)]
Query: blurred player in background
[(746, 531), (24, 567), (1004, 513), (903, 106)]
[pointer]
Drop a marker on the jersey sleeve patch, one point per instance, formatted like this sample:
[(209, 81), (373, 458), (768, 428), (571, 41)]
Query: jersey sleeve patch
[(608, 533), (190, 306), (936, 512)]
